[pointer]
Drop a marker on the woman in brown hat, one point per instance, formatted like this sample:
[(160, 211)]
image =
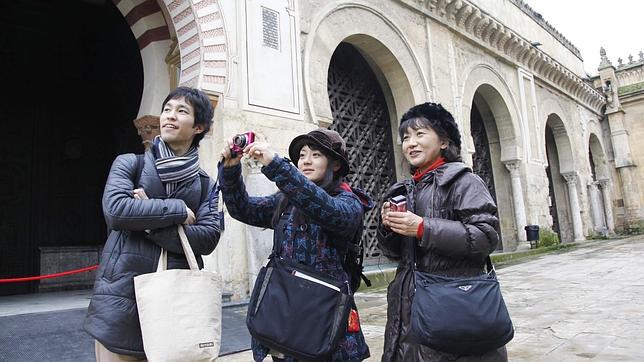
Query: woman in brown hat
[(317, 214), (450, 220)]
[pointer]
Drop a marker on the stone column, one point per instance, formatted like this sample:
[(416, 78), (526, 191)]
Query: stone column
[(519, 204), (260, 241), (577, 226), (596, 207), (622, 152), (147, 127), (604, 185)]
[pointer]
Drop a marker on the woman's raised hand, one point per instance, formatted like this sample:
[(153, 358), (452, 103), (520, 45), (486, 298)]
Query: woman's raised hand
[(227, 155), (260, 152)]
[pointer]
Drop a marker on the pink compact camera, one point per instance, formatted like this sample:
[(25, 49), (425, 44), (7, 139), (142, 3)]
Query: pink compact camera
[(240, 141), (398, 203)]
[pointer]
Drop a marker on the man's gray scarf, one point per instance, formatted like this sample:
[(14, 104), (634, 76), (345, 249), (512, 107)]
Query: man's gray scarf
[(173, 169)]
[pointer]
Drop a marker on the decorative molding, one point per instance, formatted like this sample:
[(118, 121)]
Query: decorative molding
[(145, 20), (468, 20), (202, 43), (538, 18), (323, 14)]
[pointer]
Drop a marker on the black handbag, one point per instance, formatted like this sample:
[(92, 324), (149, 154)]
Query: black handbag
[(459, 315), (297, 310)]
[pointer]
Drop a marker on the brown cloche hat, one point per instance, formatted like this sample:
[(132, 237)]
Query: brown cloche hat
[(329, 141)]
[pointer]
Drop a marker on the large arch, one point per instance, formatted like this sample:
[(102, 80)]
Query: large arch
[(489, 106), (598, 157), (379, 39), (552, 111), (563, 175), (199, 31), (485, 80), (599, 187)]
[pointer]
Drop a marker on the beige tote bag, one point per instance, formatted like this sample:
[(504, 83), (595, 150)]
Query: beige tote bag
[(179, 310)]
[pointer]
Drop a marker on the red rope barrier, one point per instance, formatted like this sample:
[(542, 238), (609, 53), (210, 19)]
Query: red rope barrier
[(48, 276)]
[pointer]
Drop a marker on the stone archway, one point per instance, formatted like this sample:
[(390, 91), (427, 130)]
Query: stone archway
[(198, 30), (383, 45), (599, 188), (563, 180), (488, 111), (484, 91)]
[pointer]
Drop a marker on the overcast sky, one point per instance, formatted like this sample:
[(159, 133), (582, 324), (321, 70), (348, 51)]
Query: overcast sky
[(617, 25)]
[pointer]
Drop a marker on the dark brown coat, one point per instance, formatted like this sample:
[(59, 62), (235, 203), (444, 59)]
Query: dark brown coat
[(460, 231)]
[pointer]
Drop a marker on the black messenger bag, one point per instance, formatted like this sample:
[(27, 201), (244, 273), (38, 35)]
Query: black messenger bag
[(459, 315), (297, 310)]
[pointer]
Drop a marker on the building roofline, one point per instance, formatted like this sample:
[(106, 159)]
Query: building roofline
[(539, 19)]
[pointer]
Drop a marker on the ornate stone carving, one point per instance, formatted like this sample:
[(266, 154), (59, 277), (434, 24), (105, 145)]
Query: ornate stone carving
[(147, 127), (513, 167), (467, 19), (571, 178), (604, 59)]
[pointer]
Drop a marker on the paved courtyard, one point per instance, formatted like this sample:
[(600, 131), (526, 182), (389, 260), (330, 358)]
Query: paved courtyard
[(579, 305)]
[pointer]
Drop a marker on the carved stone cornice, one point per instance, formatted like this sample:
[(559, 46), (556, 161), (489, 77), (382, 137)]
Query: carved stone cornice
[(547, 26), (468, 20)]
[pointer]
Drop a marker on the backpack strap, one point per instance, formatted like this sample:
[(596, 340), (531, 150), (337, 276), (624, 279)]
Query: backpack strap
[(140, 161), (205, 182)]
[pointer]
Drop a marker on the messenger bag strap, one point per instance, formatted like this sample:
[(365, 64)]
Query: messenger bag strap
[(412, 254)]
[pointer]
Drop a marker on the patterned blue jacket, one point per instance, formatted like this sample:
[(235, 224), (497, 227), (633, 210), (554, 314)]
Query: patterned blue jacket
[(333, 221)]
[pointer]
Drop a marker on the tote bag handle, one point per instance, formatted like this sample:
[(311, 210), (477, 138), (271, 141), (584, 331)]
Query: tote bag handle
[(190, 256)]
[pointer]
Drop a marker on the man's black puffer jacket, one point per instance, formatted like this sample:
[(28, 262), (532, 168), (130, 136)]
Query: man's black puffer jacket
[(112, 316)]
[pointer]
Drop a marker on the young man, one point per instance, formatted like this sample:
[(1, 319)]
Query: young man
[(143, 217)]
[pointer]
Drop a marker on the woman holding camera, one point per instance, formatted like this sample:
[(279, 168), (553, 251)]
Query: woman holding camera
[(316, 216), (451, 217)]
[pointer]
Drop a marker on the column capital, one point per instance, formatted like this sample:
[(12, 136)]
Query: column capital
[(603, 183), (513, 166), (571, 177), (147, 127)]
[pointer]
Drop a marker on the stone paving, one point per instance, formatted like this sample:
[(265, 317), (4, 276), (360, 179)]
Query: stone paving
[(579, 305)]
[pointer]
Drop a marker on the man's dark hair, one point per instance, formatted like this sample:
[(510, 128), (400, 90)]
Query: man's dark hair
[(201, 105), (434, 116)]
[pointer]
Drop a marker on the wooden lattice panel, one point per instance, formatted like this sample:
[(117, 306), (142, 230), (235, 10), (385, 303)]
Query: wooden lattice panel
[(361, 116)]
